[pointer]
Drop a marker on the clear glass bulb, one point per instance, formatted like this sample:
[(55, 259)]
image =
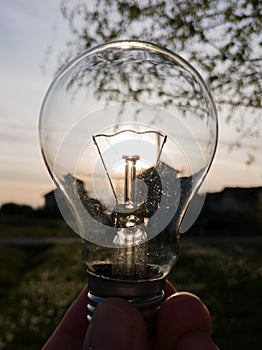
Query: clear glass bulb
[(128, 132)]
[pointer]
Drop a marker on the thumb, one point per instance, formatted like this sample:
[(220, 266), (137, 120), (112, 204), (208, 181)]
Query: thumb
[(116, 325), (179, 314)]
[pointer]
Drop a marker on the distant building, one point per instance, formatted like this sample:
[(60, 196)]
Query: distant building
[(50, 205), (233, 211), (52, 208), (244, 205), (236, 200)]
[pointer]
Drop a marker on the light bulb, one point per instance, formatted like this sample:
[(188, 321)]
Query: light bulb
[(128, 131)]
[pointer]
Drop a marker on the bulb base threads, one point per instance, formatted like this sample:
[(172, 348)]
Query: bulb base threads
[(146, 296)]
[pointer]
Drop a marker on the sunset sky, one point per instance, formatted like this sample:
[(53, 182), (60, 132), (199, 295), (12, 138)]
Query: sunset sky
[(27, 29)]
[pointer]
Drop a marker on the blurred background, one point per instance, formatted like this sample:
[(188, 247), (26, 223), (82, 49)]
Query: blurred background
[(41, 271)]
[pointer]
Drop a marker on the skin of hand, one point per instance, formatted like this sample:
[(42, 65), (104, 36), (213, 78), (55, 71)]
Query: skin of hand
[(183, 323)]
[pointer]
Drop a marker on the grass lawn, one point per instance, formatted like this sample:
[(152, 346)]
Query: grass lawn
[(37, 286), (33, 226)]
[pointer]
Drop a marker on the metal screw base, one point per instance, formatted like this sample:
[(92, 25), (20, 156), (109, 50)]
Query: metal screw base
[(147, 306)]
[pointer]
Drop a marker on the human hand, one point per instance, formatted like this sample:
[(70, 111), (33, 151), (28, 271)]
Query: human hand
[(183, 323)]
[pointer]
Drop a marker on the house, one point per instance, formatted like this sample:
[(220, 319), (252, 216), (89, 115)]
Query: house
[(236, 200), (56, 205), (50, 205), (233, 211)]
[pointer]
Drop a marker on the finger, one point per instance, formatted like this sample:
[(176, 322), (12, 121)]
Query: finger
[(169, 289), (70, 332), (178, 315), (196, 340), (116, 325)]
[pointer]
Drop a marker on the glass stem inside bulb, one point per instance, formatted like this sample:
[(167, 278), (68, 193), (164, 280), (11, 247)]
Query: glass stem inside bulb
[(130, 259), (130, 177)]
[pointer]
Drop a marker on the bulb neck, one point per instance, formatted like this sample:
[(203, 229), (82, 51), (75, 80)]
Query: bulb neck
[(146, 296), (107, 287)]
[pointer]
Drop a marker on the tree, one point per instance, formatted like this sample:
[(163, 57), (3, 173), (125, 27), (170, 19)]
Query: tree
[(16, 209), (220, 38)]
